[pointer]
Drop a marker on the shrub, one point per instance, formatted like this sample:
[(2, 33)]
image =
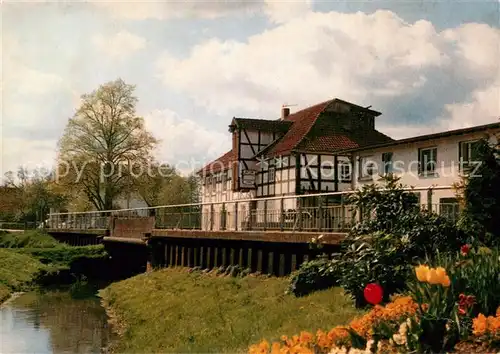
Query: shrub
[(481, 196), (318, 274), (384, 245), (30, 238)]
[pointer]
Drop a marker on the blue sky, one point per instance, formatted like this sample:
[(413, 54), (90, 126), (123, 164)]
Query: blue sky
[(426, 65)]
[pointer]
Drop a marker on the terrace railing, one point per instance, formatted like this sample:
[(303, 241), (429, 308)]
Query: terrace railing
[(325, 212)]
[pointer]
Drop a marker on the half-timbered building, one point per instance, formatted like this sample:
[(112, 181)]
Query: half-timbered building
[(332, 146), (293, 155)]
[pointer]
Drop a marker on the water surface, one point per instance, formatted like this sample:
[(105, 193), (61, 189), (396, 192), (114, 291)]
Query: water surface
[(55, 321)]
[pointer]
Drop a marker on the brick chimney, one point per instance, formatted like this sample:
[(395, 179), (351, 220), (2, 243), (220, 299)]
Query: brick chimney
[(285, 112)]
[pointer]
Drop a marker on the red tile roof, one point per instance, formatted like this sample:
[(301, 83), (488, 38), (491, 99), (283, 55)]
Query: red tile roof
[(302, 122), (297, 137), (329, 143), (220, 164), (338, 142)]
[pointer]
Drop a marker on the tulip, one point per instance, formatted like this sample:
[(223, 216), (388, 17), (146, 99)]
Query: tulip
[(446, 281), (441, 272), (421, 272), (432, 277)]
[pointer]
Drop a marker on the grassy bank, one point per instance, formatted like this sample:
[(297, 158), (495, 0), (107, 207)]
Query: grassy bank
[(175, 311), (33, 257), (17, 272)]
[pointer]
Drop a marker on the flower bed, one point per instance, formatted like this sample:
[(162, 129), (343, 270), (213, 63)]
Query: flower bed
[(454, 305)]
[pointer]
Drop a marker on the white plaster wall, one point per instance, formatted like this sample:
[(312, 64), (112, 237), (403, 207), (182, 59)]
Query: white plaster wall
[(405, 165)]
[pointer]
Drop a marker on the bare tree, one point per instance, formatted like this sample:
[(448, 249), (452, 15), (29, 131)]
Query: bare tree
[(103, 142)]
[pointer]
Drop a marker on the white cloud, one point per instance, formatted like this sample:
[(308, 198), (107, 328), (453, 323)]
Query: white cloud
[(28, 153), (276, 10), (403, 69), (120, 44), (183, 141)]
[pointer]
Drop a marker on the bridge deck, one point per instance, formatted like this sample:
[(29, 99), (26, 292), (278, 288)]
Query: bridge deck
[(332, 238), (261, 236)]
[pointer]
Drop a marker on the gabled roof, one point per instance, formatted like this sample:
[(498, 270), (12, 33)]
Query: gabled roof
[(220, 164), (261, 124), (296, 127), (302, 122)]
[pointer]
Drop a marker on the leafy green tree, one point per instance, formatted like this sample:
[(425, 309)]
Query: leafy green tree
[(480, 194), (36, 193), (105, 145)]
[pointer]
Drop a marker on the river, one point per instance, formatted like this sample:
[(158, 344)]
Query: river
[(54, 321)]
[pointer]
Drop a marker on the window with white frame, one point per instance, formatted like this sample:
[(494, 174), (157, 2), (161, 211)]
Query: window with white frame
[(366, 167), (427, 161), (468, 154)]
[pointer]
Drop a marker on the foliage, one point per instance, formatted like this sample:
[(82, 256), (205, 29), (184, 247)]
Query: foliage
[(30, 194), (242, 310), (384, 245), (448, 305), (362, 332), (30, 238), (476, 273), (105, 144), (165, 186), (437, 305), (63, 256), (480, 192), (17, 271), (314, 275), (450, 295)]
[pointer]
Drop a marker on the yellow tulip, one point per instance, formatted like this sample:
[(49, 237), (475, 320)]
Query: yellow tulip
[(432, 277), (446, 281), (422, 272), (441, 272)]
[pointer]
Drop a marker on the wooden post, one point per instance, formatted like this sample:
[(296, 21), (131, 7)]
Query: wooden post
[(260, 260), (171, 259), (190, 256)]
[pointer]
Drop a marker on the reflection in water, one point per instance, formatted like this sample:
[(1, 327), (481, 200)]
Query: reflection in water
[(53, 322)]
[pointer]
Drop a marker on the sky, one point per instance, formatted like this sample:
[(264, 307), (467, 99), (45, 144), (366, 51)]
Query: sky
[(428, 66)]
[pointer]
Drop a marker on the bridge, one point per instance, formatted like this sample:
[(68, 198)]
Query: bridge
[(262, 234)]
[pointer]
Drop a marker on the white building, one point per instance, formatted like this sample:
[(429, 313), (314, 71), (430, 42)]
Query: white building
[(329, 147)]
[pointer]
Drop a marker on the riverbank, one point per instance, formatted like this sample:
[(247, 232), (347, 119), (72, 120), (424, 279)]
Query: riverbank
[(173, 310), (33, 258), (17, 272)]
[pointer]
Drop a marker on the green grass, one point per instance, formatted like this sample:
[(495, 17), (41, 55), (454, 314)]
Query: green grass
[(31, 256), (27, 239), (17, 271), (175, 311)]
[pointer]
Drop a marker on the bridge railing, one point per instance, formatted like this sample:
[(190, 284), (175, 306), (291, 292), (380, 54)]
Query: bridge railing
[(327, 212)]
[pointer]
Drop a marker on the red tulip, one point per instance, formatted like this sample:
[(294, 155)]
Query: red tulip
[(373, 293), (465, 249)]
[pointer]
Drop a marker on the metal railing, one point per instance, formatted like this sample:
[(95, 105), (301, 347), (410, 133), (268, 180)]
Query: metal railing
[(326, 212), (8, 225)]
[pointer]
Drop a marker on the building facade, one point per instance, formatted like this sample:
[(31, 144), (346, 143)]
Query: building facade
[(329, 147)]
